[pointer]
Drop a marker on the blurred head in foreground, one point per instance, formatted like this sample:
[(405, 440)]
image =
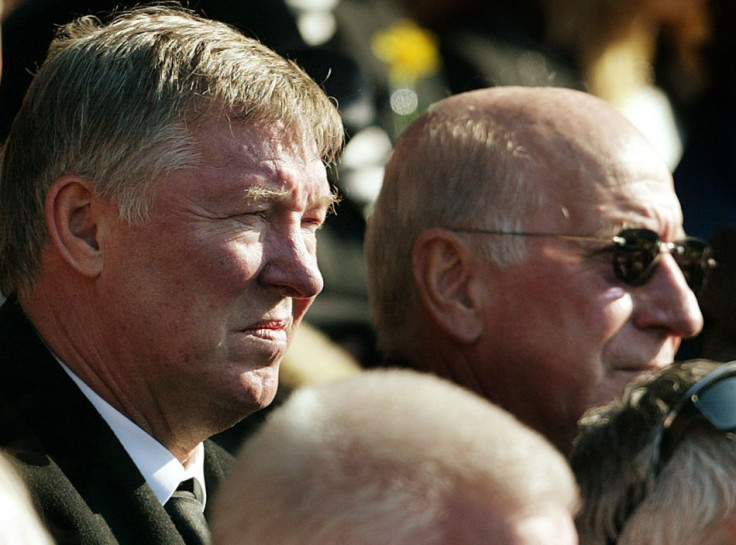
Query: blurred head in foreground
[(395, 457)]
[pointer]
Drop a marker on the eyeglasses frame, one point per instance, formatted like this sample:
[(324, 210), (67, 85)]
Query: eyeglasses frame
[(616, 241), (685, 412)]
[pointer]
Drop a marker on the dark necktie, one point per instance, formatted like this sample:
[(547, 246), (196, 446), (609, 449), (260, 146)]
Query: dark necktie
[(185, 510)]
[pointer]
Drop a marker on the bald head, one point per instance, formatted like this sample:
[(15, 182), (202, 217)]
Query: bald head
[(498, 158), (554, 129), (541, 325), (390, 456)]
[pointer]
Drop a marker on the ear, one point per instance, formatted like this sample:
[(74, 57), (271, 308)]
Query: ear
[(444, 276), (72, 217)]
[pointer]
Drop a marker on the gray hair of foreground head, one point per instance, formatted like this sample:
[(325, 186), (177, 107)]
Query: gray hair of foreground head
[(378, 458), (457, 165), (19, 521), (116, 103), (692, 500)]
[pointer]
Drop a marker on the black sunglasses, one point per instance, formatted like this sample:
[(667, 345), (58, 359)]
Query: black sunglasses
[(636, 251), (712, 399)]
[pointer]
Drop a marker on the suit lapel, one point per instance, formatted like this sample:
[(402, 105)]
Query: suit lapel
[(217, 462), (89, 489)]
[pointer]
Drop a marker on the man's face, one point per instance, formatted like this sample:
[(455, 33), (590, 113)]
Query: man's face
[(562, 332), (205, 296)]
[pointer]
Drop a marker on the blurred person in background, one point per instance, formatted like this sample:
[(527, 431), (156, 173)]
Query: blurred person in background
[(705, 181), (19, 521)]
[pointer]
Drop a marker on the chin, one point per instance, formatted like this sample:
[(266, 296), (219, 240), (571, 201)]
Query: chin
[(261, 387), (266, 398)]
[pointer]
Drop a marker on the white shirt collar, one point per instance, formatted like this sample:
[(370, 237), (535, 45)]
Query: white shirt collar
[(159, 467)]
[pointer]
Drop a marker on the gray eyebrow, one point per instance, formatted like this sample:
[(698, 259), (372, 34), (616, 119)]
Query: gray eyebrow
[(256, 194)]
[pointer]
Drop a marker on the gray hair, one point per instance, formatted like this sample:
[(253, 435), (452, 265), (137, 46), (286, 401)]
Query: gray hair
[(381, 457), (693, 498), (455, 166), (20, 523), (115, 103)]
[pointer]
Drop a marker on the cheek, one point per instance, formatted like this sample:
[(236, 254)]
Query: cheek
[(599, 316), (617, 302), (236, 263), (616, 310), (572, 320), (614, 343), (603, 324), (189, 279), (590, 329), (590, 321), (214, 265), (593, 327)]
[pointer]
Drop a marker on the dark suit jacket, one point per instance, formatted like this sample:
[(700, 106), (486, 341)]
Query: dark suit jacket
[(86, 487)]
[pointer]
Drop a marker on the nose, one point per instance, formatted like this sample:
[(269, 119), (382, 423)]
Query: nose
[(290, 264), (667, 301)]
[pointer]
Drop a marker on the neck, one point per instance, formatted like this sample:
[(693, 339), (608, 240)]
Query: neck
[(112, 373)]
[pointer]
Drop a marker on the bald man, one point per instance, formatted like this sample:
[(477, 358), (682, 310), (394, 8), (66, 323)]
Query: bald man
[(395, 457), (528, 244)]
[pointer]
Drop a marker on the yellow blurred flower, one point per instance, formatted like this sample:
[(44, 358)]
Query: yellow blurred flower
[(410, 51)]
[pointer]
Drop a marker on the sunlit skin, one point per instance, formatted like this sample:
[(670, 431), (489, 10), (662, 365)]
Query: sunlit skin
[(480, 522), (560, 333), (192, 310), (586, 333)]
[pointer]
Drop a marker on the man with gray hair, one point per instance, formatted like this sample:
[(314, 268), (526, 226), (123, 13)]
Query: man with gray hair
[(527, 243), (161, 190)]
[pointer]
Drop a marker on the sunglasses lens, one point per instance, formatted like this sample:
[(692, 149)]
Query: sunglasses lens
[(692, 256), (717, 404), (712, 398), (634, 255), (637, 250)]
